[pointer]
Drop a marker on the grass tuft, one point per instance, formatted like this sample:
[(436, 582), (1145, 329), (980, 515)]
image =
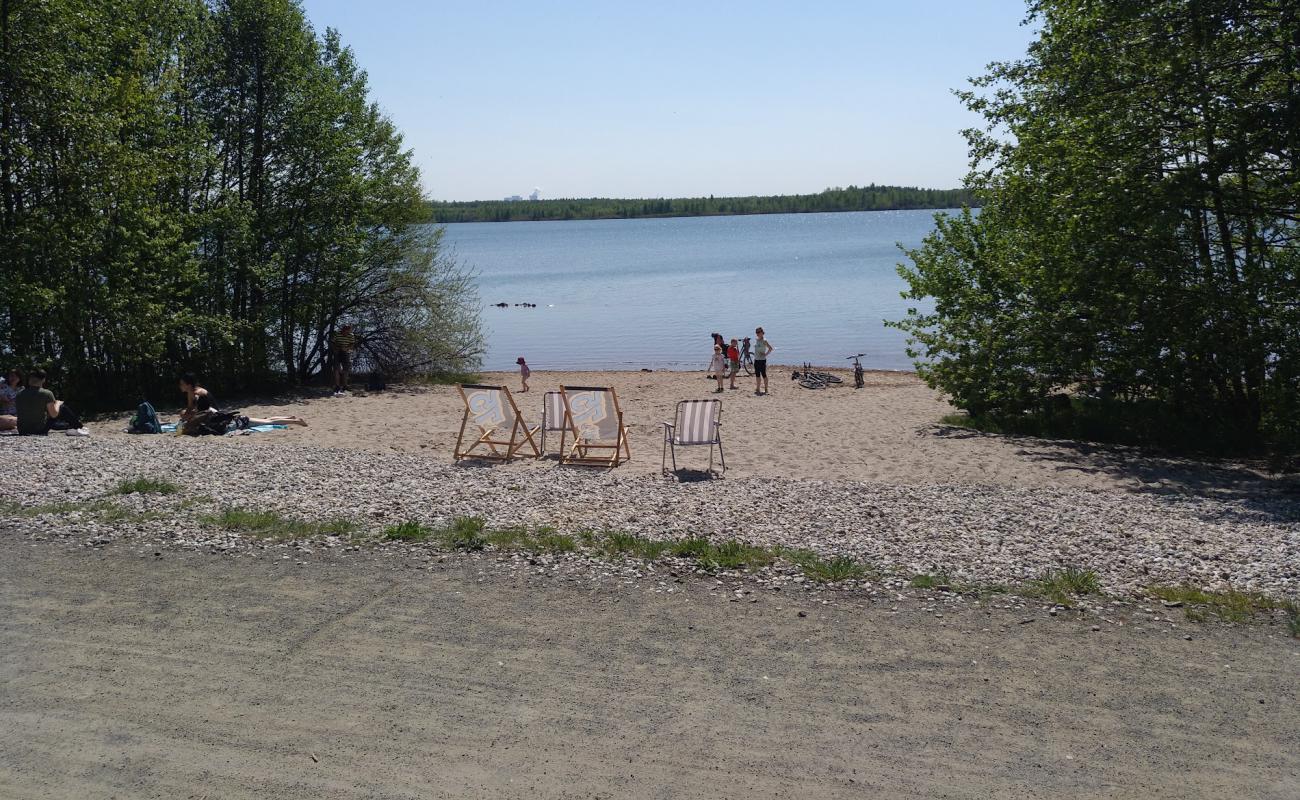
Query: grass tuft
[(465, 533), (271, 525), (929, 581), (694, 547), (733, 554), (839, 568), (146, 486), (553, 542), (1063, 586), (409, 531), (1231, 605)]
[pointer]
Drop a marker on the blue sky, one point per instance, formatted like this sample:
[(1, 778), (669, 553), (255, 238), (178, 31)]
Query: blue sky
[(672, 99)]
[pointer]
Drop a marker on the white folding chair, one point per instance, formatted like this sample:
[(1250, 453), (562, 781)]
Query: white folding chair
[(695, 423)]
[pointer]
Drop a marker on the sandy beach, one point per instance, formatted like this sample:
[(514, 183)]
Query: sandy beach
[(889, 432)]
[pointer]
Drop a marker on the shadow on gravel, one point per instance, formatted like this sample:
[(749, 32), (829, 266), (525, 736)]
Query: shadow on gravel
[(694, 476), (1149, 472)]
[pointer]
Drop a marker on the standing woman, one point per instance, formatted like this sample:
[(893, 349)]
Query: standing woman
[(762, 348)]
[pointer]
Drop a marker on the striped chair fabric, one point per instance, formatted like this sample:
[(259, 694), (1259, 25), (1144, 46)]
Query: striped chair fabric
[(695, 422), (552, 414)]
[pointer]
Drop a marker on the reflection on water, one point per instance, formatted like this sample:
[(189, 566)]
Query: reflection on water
[(626, 294)]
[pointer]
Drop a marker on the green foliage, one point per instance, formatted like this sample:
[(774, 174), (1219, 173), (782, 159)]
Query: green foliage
[(853, 198), (146, 486), (206, 185), (271, 525), (1136, 246)]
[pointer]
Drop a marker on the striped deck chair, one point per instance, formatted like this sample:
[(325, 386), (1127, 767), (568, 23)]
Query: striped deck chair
[(696, 422), (502, 433), (552, 415), (594, 421)]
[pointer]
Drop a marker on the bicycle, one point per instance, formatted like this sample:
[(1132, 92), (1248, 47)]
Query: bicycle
[(858, 381), (747, 357), (814, 380)]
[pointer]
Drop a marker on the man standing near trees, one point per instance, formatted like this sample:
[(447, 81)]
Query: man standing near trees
[(341, 346)]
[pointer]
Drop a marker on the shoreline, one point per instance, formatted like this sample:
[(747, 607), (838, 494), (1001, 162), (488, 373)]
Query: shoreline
[(614, 217)]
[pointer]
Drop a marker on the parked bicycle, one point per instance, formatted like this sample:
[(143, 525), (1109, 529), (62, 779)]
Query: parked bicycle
[(810, 379), (747, 357), (858, 381)]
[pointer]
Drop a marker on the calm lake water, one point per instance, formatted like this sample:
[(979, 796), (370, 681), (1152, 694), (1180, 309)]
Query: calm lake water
[(626, 294)]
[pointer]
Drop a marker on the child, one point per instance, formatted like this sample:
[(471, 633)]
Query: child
[(524, 372), (733, 355), (718, 367)]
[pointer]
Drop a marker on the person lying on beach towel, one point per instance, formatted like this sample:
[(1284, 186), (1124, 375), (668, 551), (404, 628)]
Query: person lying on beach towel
[(208, 421)]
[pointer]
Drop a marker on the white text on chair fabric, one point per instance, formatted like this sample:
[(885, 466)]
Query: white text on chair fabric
[(487, 408), (591, 415)]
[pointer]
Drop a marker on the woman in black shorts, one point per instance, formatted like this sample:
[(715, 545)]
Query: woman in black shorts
[(762, 348)]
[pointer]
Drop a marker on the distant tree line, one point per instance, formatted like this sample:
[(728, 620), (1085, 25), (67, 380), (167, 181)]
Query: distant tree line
[(1134, 272), (852, 198), (205, 185)]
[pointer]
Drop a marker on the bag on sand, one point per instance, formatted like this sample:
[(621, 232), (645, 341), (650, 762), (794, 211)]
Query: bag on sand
[(215, 424), (145, 419)]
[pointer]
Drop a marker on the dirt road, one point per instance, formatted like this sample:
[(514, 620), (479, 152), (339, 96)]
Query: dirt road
[(195, 676)]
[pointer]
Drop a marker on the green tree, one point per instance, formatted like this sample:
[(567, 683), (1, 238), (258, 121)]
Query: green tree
[(1138, 177), (206, 186)]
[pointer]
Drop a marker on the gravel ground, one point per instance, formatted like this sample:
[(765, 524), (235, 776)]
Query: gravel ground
[(977, 534)]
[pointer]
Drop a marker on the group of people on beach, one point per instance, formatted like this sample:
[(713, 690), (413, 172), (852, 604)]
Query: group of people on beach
[(33, 410), (727, 357)]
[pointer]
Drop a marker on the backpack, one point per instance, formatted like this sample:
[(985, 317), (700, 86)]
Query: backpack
[(145, 419)]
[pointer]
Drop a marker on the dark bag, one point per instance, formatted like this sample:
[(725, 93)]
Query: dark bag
[(215, 424), (145, 419)]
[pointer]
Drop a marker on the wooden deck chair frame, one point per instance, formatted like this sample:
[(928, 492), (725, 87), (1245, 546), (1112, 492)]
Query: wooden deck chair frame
[(552, 421), (674, 438), (517, 439), (584, 451)]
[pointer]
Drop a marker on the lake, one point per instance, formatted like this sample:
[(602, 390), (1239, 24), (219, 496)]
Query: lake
[(627, 294)]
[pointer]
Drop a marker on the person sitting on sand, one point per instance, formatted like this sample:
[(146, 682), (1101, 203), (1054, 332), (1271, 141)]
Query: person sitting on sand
[(13, 384), (189, 385), (524, 372), (207, 420), (718, 367), (39, 412)]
